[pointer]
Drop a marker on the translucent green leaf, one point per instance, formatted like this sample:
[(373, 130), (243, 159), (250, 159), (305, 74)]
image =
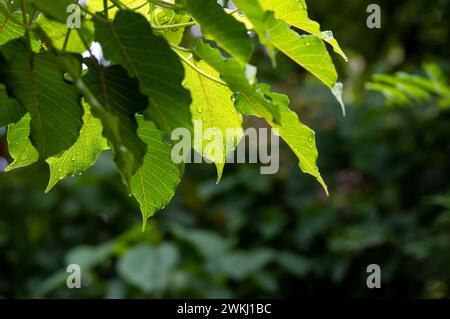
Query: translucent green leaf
[(165, 17), (216, 25), (212, 106), (37, 82), (241, 80), (300, 138), (82, 155), (155, 182), (10, 110), (308, 51), (294, 13), (10, 30), (19, 145), (57, 32), (129, 41), (120, 99)]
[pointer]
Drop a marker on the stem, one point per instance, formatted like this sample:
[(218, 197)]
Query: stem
[(200, 71), (26, 25), (66, 39), (120, 5), (168, 5), (93, 15), (180, 48), (140, 6), (105, 8), (174, 26)]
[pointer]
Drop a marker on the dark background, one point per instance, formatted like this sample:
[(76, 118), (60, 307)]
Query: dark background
[(387, 168)]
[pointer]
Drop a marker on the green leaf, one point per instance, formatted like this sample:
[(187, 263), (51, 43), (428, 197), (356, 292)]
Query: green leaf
[(239, 265), (299, 137), (129, 41), (120, 99), (155, 182), (10, 30), (216, 25), (82, 155), (294, 13), (212, 106), (165, 17), (57, 32), (307, 51), (240, 80), (254, 17), (54, 9), (10, 110), (37, 82), (19, 145), (149, 267)]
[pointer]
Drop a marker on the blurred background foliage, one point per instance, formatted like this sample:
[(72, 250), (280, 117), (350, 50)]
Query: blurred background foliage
[(387, 167)]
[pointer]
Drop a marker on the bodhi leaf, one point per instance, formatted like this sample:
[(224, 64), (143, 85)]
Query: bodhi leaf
[(129, 41), (241, 80), (121, 100), (294, 13), (19, 145), (164, 17), (82, 155), (298, 136), (55, 9), (10, 30), (58, 32), (155, 182), (217, 25), (213, 107), (307, 51), (141, 6), (10, 110), (37, 82)]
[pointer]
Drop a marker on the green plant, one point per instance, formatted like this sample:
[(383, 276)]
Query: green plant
[(404, 88), (65, 110)]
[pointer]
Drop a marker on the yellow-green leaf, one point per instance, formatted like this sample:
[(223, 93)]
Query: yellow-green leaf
[(82, 155)]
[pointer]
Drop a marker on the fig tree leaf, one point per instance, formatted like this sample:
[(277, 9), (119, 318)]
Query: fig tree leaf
[(82, 155), (213, 108), (155, 182), (129, 41), (54, 9), (38, 84), (300, 138), (294, 13), (219, 26), (241, 80), (10, 110), (121, 99), (19, 144)]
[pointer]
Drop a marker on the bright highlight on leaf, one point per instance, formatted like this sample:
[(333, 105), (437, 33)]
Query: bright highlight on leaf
[(160, 66)]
